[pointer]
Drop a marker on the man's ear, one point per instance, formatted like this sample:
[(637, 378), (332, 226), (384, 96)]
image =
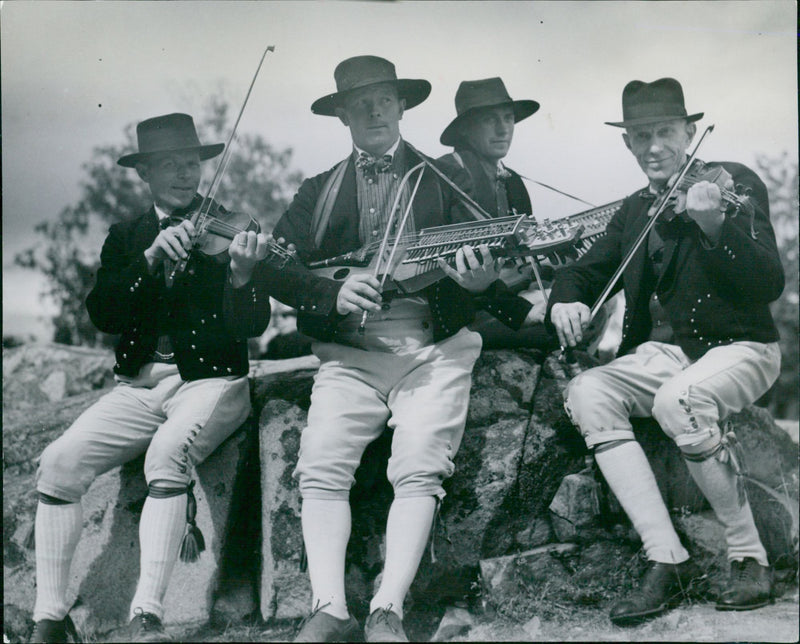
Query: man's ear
[(691, 130), (342, 116), (143, 171), (627, 140), (402, 108)]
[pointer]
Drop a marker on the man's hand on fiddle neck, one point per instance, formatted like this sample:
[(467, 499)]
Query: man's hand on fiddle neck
[(246, 250)]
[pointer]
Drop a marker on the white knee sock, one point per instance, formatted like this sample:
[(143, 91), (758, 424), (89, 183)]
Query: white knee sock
[(407, 530), (57, 531), (717, 481), (628, 473), (326, 531), (161, 529)]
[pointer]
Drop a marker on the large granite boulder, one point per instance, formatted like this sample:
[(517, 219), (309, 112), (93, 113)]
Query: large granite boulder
[(511, 460), (35, 374), (522, 484), (106, 564)]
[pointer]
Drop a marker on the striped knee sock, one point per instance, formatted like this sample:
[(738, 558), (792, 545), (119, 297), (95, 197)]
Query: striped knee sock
[(630, 477), (57, 531), (718, 483), (161, 529)]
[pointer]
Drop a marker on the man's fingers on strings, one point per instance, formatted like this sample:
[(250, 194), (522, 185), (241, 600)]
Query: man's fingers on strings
[(487, 259), (262, 245), (472, 261), (448, 270), (461, 262)]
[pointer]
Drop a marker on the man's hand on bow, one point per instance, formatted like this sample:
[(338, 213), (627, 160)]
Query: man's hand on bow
[(570, 320), (173, 242), (359, 293), (471, 273)]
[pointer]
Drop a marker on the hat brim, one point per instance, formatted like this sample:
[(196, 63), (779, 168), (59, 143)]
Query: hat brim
[(522, 110), (649, 120), (205, 151), (413, 90)]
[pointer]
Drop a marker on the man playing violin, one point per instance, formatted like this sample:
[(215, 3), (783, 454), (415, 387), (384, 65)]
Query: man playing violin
[(181, 368), (698, 344), (409, 367)]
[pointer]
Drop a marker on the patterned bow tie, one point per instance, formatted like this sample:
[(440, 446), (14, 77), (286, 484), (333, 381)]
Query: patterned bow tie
[(502, 173), (370, 165)]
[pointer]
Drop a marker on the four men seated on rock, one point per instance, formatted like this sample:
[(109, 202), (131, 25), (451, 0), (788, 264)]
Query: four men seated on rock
[(403, 360)]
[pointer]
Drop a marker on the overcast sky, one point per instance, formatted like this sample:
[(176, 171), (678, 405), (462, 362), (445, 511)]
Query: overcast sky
[(74, 74)]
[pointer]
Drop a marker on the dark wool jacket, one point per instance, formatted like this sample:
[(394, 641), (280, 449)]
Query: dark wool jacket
[(129, 302), (509, 308), (712, 295), (435, 204)]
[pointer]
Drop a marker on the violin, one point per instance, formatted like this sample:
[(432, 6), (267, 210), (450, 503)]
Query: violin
[(736, 200), (215, 227), (218, 226)]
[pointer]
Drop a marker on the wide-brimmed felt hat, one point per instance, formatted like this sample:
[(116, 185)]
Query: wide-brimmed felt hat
[(476, 94), (363, 71), (646, 103), (168, 133)]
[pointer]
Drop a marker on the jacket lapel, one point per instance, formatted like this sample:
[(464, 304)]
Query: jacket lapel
[(634, 272)]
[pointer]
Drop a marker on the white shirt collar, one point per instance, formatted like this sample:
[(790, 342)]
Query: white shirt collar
[(160, 213), (390, 151)]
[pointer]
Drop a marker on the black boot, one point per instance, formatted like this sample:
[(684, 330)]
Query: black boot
[(663, 586), (146, 627), (54, 630), (750, 586)]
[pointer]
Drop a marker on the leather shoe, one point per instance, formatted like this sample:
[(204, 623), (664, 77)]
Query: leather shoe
[(54, 630), (750, 586), (663, 586), (146, 627), (384, 625), (322, 627)]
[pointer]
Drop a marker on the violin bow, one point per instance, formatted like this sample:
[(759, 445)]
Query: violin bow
[(222, 165)]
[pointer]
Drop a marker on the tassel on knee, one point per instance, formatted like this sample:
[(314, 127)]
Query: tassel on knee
[(193, 543)]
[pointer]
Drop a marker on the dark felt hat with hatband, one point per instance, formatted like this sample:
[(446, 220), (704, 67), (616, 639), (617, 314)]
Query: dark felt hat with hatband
[(168, 133), (363, 71), (647, 103), (477, 94)]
